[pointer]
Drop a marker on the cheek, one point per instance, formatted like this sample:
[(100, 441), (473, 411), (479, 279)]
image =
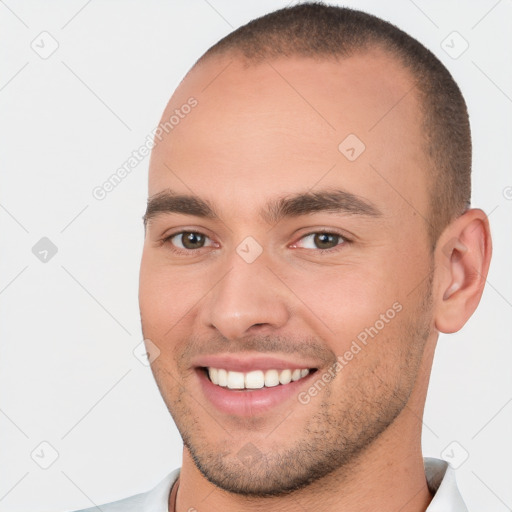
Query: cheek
[(347, 300), (164, 311), (166, 297)]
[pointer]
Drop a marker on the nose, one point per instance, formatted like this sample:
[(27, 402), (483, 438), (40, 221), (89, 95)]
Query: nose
[(248, 299)]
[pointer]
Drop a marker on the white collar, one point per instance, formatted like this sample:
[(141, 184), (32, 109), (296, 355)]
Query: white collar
[(157, 500), (441, 481)]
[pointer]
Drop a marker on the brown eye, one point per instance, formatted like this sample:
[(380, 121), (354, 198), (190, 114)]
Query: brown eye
[(322, 241), (326, 240), (188, 240), (192, 240)]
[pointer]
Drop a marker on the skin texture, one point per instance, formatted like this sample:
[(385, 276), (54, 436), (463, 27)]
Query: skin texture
[(266, 131)]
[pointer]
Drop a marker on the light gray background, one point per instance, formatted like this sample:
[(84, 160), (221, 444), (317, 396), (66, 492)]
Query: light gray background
[(68, 328)]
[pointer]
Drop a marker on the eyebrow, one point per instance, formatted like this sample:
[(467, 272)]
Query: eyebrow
[(294, 205)]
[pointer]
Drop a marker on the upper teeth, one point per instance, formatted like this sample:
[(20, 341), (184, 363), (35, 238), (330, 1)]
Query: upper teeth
[(255, 379)]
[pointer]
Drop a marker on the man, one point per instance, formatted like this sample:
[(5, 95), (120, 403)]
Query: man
[(308, 235)]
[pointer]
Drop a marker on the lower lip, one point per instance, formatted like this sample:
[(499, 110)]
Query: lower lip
[(249, 402)]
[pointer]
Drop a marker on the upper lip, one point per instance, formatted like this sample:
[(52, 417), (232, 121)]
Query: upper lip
[(238, 363)]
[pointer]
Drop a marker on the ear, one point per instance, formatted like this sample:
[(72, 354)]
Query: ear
[(462, 258)]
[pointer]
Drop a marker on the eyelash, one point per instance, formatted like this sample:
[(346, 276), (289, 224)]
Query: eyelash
[(189, 252)]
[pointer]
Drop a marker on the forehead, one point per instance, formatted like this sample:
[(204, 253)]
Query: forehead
[(291, 123)]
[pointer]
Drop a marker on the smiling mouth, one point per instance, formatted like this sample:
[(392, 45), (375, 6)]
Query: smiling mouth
[(255, 379)]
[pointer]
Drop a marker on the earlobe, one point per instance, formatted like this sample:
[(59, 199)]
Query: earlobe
[(462, 258)]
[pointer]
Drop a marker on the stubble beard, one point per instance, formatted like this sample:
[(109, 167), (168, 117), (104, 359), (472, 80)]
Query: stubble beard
[(333, 437)]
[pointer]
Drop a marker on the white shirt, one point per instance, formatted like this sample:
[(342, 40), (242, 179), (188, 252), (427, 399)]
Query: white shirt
[(440, 479)]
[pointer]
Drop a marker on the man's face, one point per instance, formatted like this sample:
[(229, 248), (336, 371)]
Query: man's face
[(342, 290)]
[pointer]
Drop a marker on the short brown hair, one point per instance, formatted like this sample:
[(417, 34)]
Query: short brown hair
[(314, 29)]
